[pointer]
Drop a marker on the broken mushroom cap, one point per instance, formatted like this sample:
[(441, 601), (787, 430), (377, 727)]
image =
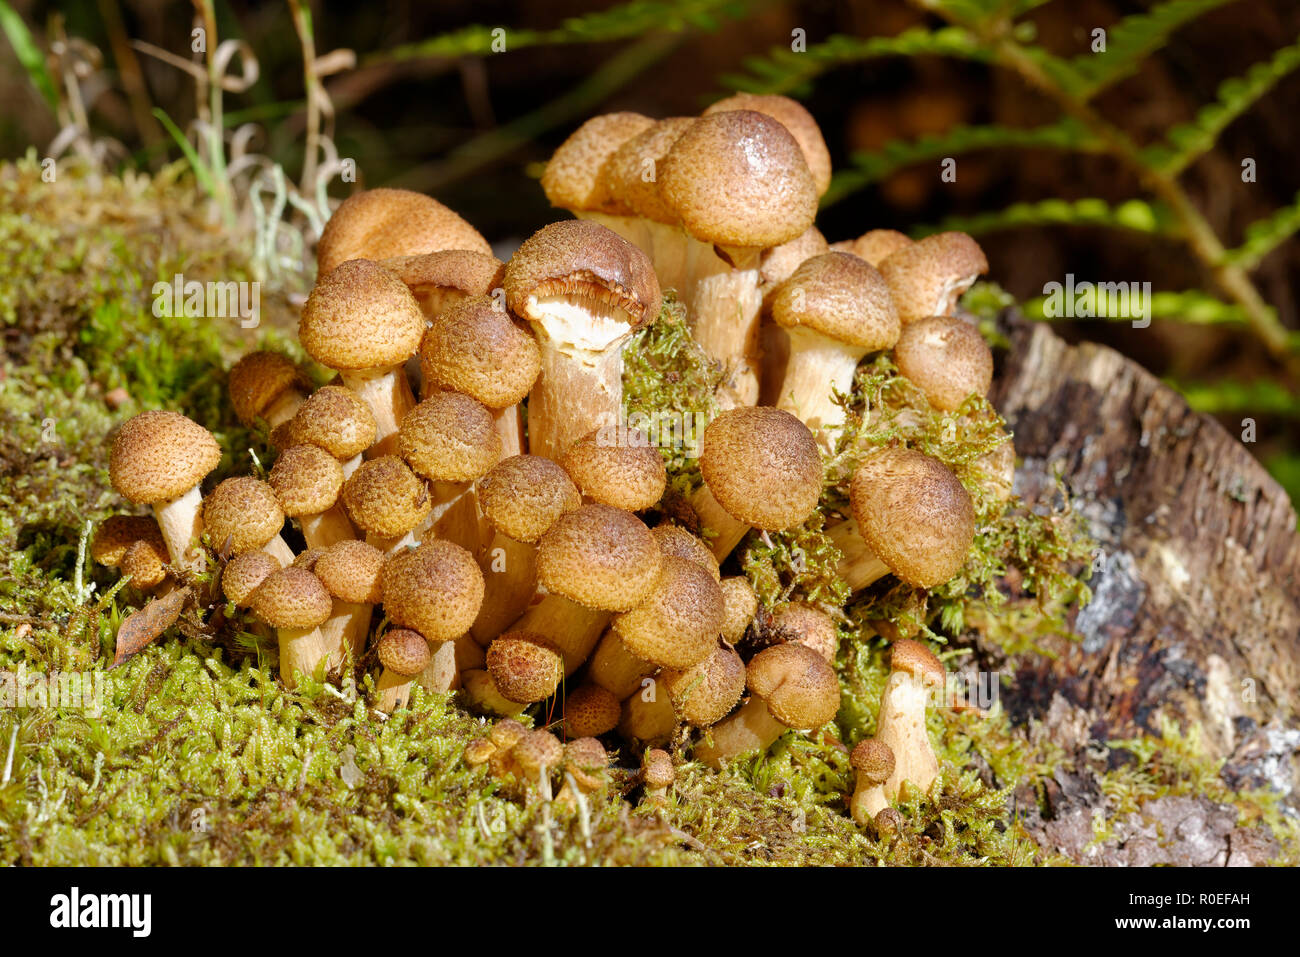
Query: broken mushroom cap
[(794, 117), (675, 540), (623, 471), (524, 666), (244, 512), (438, 280), (385, 498), (352, 571), (117, 533), (435, 589), (705, 693), (926, 278), (802, 623), (678, 622), (739, 179), (404, 652), (843, 298), (572, 178), (244, 574), (292, 598), (600, 557), (628, 177), (875, 245), (740, 605), (449, 437), (306, 480), (382, 223), (914, 514), (522, 496), (159, 456), (360, 316), (799, 687), (145, 563), (590, 710), (259, 380), (946, 358), (336, 419), (762, 466), (475, 347)]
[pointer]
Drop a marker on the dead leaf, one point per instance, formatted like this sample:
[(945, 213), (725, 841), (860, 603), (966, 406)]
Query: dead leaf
[(144, 626)]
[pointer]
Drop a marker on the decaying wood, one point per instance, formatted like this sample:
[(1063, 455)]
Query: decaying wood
[(1196, 582)]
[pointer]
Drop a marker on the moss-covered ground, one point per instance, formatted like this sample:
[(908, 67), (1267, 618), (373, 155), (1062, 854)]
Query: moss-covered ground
[(196, 754)]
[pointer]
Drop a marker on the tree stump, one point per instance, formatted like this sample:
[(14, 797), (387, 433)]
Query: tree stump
[(1196, 580)]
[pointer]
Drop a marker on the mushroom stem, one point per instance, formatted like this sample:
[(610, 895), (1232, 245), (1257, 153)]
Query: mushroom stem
[(752, 728), (441, 674), (345, 631), (510, 426), (725, 306), (301, 650), (389, 397), (868, 800), (510, 580), (616, 669), (394, 690), (580, 388), (352, 464), (728, 530), (481, 694), (648, 721), (574, 629), (859, 566), (181, 523), (283, 408), (325, 528), (818, 367), (279, 550), (901, 725)]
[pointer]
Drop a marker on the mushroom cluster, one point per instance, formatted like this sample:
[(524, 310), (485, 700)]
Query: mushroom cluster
[(413, 526)]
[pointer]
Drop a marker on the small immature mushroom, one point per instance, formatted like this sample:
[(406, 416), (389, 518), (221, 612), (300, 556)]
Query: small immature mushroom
[(295, 603), (791, 686), (926, 278), (524, 667), (159, 459), (946, 358), (657, 776), (836, 309), (875, 245), (145, 563), (307, 480), (617, 467), (915, 675), (494, 750), (572, 179), (350, 570), (363, 322), (590, 710), (761, 469), (740, 605), (535, 756), (677, 624), (594, 561), (242, 576), (585, 291), (521, 497), (404, 654), (797, 621), (244, 514), (585, 767), (912, 517), (387, 501), (873, 759), (381, 223), (134, 545), (267, 386), (704, 694), (475, 347), (440, 280), (775, 267), (335, 419), (675, 540)]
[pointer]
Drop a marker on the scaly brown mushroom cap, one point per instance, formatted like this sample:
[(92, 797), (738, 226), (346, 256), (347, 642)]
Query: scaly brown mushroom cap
[(740, 605), (336, 419), (738, 178), (384, 497), (522, 496), (797, 621), (159, 456), (404, 652), (525, 666), (779, 263), (449, 437), (115, 534), (625, 474), (794, 117), (762, 465), (244, 574), (799, 687), (258, 379), (352, 570), (914, 514), (703, 694), (875, 245), (572, 178), (873, 760), (535, 751), (677, 624), (382, 223), (307, 559), (628, 178), (458, 271), (360, 316), (946, 358), (657, 769), (145, 563), (581, 259), (292, 598), (590, 710), (243, 511), (843, 298), (475, 347), (917, 660), (306, 479), (586, 758), (675, 540), (435, 589), (925, 278), (600, 557)]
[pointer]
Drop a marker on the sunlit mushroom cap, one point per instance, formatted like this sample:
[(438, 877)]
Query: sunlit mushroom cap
[(740, 605), (242, 512), (572, 179), (449, 437), (306, 479), (794, 117), (524, 666), (763, 466), (875, 245), (436, 589), (384, 497), (946, 358), (438, 279), (360, 316), (159, 456), (799, 687), (404, 652), (523, 495), (926, 278), (917, 660), (292, 598), (704, 693), (678, 623), (115, 534), (145, 562), (779, 263), (801, 622), (258, 379), (351, 569), (336, 419), (873, 760), (243, 575), (625, 471), (475, 347), (630, 176), (382, 223), (675, 540), (599, 556), (843, 298), (590, 710)]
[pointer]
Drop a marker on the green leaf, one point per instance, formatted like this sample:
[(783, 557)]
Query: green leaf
[(1134, 215), (1265, 235), (201, 171), (1255, 397), (29, 54)]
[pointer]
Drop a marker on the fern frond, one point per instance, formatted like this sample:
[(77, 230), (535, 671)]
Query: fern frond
[(1192, 307), (1265, 235), (1135, 215), (1065, 134), (1255, 397), (1188, 141)]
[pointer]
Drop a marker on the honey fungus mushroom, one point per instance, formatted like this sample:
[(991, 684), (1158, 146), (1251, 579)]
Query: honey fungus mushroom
[(335, 419), (912, 517), (243, 513), (403, 654), (435, 589), (875, 245), (307, 481), (524, 667), (439, 280), (134, 545), (617, 467), (268, 386), (295, 603), (926, 278), (873, 760), (572, 179), (351, 572), (916, 677), (159, 459), (383, 223), (590, 710), (385, 499), (946, 358)]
